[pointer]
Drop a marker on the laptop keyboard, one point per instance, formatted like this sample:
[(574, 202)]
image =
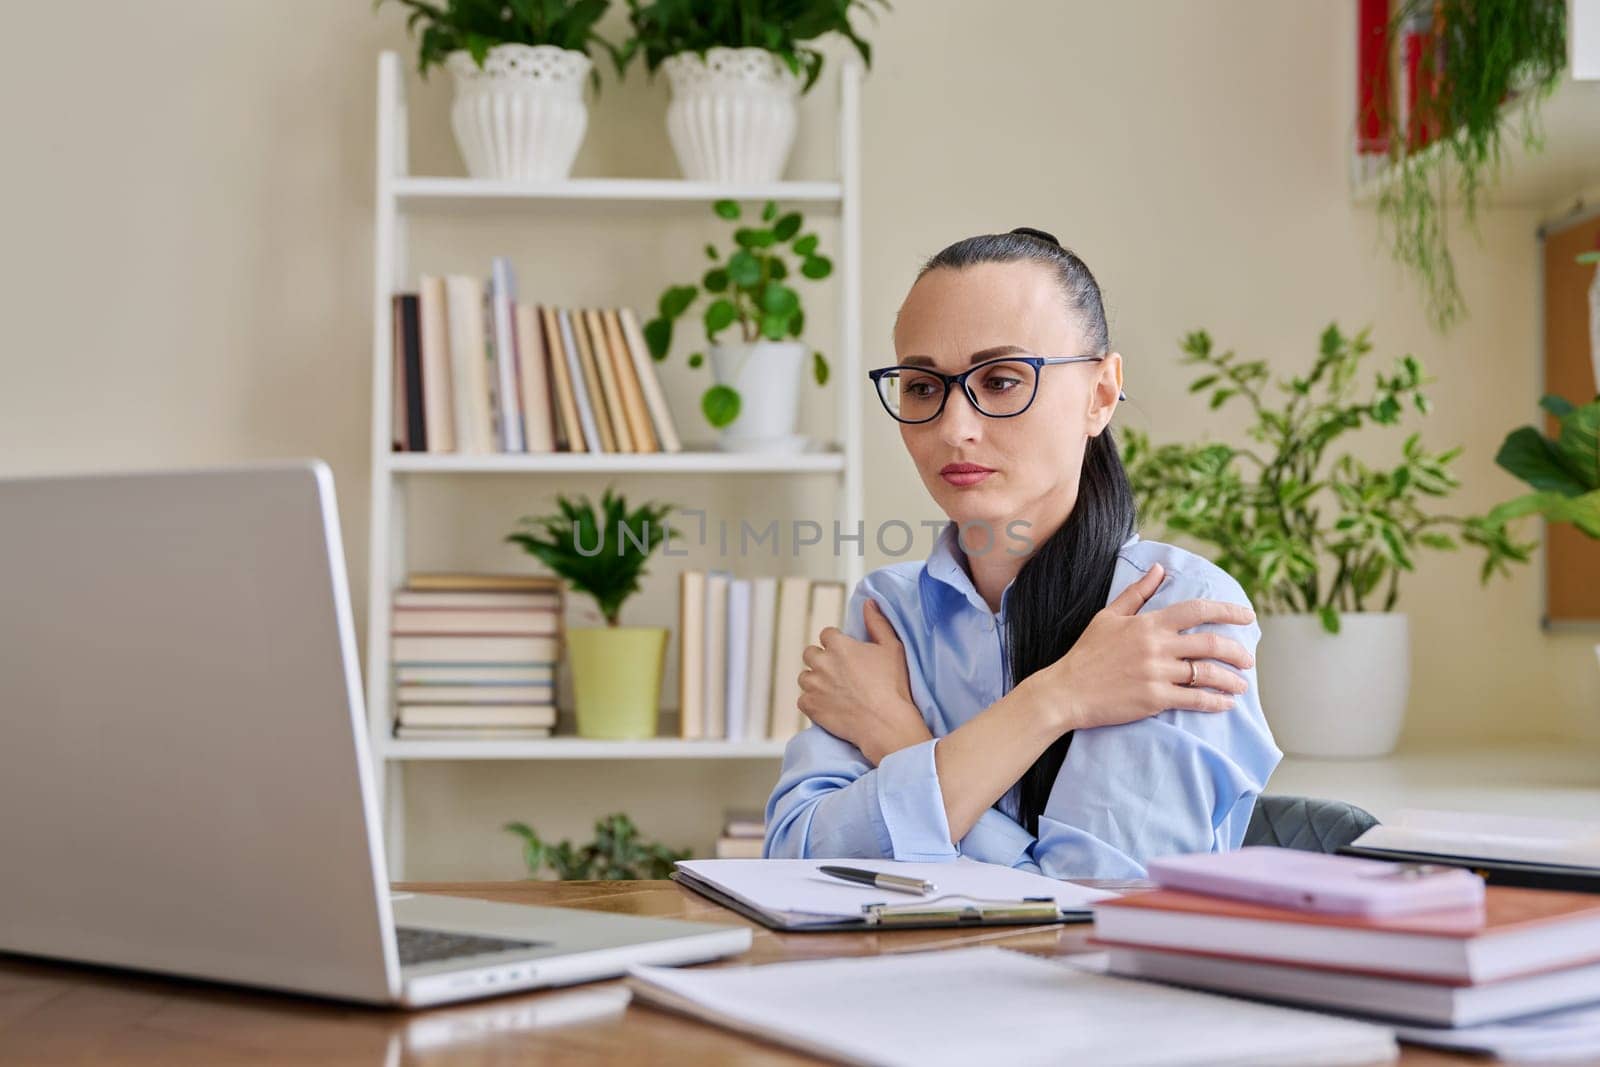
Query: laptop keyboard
[(429, 946)]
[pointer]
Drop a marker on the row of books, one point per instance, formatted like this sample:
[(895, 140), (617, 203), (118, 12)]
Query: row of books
[(477, 371), (744, 835), (740, 646), (474, 656), (1438, 974)]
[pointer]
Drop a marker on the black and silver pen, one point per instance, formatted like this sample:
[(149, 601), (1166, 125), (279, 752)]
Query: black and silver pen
[(881, 881)]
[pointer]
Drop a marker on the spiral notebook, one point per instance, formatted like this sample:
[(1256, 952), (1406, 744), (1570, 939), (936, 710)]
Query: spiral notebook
[(793, 895)]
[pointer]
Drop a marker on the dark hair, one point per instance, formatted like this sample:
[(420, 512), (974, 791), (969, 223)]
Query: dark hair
[(1067, 579)]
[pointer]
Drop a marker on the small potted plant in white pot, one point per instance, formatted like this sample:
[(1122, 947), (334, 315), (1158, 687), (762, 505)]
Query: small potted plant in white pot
[(737, 68), (616, 670), (519, 65), (754, 400), (1318, 543)]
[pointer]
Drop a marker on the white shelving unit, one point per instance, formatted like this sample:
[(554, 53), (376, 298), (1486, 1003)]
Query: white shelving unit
[(400, 194)]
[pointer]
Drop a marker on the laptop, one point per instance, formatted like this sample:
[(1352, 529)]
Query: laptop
[(185, 772)]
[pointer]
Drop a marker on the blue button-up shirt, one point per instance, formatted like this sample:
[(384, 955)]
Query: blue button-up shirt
[(1175, 782)]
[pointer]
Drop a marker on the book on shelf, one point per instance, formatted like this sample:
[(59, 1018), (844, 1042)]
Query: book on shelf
[(743, 836), (541, 716), (476, 370), (740, 645), (479, 733)]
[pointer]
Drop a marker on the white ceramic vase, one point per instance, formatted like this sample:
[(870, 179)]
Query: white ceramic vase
[(1335, 695), (732, 116), (767, 376), (522, 116)]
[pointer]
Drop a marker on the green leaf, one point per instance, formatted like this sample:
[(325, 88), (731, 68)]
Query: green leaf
[(1526, 454), (746, 237), (1578, 446), (806, 245), (797, 322), (719, 316), (658, 336), (720, 405), (744, 269), (711, 253), (1329, 617), (815, 267), (787, 227), (1203, 382), (774, 327), (676, 300), (819, 368), (1220, 397), (715, 280), (770, 211), (695, 359), (1555, 405), (728, 209), (779, 299)]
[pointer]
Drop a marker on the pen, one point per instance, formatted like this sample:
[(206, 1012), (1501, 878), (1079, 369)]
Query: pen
[(880, 881)]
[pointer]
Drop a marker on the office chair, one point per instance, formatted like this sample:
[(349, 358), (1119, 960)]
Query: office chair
[(1306, 823)]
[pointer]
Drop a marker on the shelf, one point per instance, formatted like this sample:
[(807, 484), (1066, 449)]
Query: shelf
[(580, 748), (1566, 166), (456, 192), (617, 463)]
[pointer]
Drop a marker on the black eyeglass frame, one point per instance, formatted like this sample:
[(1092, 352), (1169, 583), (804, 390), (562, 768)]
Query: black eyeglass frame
[(1036, 362)]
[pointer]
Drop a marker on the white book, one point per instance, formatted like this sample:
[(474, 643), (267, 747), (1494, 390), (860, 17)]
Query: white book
[(502, 298), (469, 361), (763, 628), (580, 391), (738, 657), (437, 402), (644, 364), (716, 658), (691, 654), (789, 641), (896, 1010)]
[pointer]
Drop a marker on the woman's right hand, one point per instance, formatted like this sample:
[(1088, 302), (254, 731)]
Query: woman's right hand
[(1127, 666)]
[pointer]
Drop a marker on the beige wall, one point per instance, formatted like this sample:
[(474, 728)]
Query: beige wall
[(188, 226)]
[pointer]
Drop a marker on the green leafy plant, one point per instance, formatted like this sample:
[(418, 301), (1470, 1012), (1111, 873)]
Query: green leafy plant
[(476, 26), (751, 290), (1489, 51), (1300, 529), (602, 554), (1563, 470), (617, 852), (662, 28)]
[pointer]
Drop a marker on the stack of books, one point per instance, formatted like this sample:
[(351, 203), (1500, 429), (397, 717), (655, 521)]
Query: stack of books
[(743, 835), (477, 371), (739, 651), (1523, 952), (474, 656)]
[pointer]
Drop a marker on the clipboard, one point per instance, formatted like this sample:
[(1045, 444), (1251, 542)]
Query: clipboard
[(937, 912)]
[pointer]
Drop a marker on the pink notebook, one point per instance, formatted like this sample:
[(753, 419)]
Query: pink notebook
[(1314, 881)]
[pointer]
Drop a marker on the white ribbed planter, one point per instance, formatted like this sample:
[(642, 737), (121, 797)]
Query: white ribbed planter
[(522, 116), (732, 115), (768, 378), (1338, 694)]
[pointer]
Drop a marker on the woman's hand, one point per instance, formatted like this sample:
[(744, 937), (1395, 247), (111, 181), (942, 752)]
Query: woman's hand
[(1129, 666), (860, 691)]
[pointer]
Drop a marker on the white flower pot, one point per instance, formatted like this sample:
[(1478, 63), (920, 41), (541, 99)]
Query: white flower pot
[(1338, 694), (522, 116), (732, 115), (767, 376)]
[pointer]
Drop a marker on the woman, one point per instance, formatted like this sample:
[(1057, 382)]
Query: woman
[(1047, 690)]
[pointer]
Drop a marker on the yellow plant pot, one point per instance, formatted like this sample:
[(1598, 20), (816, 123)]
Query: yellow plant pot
[(616, 679)]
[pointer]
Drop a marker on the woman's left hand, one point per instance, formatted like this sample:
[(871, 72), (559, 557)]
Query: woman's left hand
[(860, 691)]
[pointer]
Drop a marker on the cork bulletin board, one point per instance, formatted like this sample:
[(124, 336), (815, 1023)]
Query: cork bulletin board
[(1572, 560)]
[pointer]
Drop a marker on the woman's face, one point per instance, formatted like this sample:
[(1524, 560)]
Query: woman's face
[(1034, 458)]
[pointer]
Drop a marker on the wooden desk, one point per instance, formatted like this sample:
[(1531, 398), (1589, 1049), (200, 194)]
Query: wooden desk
[(52, 1014)]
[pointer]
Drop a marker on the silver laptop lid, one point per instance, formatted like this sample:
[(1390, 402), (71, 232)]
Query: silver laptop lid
[(184, 774)]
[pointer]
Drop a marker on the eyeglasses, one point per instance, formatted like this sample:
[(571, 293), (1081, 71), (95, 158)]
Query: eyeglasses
[(1004, 387)]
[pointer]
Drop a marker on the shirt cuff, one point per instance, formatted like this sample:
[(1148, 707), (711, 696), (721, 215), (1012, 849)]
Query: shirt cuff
[(912, 804), (996, 838)]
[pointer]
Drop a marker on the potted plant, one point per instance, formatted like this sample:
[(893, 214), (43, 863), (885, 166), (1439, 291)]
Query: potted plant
[(754, 400), (616, 670), (1318, 542), (1564, 470), (1472, 57), (617, 852), (735, 68), (519, 66)]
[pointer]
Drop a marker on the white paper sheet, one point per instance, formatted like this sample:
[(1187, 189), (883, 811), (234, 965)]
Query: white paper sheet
[(993, 1006), (796, 886)]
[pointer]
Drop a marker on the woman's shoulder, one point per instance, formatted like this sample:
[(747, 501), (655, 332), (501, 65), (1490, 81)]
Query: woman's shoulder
[(1187, 573)]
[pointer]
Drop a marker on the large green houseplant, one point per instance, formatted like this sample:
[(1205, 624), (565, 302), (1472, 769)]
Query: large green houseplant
[(1318, 540), (753, 401), (736, 68), (616, 670), (519, 67), (1484, 53)]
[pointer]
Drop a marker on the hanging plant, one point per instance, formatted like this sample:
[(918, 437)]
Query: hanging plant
[(1478, 55)]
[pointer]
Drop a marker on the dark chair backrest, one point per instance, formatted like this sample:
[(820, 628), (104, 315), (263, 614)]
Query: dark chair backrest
[(1306, 823)]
